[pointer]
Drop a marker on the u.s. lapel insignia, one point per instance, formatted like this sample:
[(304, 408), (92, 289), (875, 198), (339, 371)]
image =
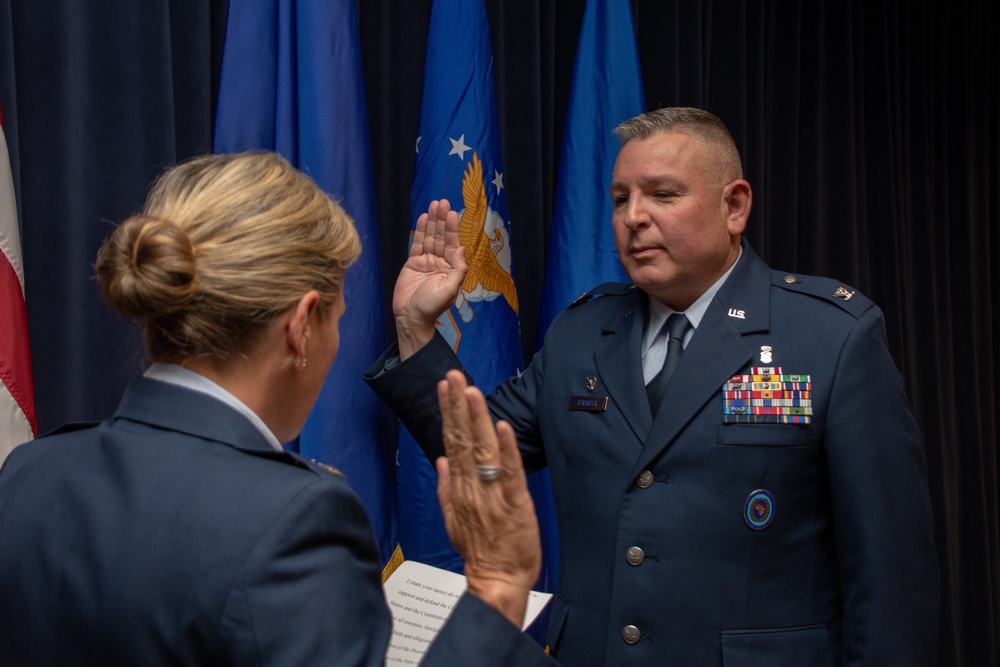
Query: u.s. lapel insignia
[(765, 354)]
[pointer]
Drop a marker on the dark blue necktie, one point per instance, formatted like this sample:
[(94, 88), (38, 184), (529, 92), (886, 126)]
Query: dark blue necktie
[(676, 326)]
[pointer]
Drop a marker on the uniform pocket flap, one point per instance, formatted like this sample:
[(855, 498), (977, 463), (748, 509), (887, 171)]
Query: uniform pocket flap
[(766, 435), (794, 647)]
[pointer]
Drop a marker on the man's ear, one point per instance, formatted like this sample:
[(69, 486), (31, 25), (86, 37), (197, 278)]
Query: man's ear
[(737, 198), (297, 329)]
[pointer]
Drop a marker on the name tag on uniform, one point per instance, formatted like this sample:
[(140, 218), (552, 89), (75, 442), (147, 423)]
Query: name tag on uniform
[(588, 403)]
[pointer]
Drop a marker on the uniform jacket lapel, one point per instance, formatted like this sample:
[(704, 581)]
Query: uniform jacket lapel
[(176, 408), (620, 364), (716, 351)]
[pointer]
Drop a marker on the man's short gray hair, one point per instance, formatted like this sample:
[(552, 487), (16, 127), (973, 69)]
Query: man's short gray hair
[(696, 122)]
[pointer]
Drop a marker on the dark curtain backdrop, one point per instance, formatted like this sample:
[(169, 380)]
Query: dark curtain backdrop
[(870, 131)]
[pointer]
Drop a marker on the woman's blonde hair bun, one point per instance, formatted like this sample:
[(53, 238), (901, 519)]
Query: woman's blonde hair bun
[(148, 268)]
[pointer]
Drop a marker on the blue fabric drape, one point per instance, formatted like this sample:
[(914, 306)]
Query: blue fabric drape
[(292, 82)]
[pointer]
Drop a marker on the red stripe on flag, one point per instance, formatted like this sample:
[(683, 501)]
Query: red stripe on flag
[(15, 362)]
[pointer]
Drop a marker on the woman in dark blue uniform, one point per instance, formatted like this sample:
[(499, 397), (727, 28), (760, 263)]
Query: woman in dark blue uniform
[(178, 531)]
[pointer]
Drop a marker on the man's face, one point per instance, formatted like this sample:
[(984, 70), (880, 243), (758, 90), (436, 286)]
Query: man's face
[(673, 223)]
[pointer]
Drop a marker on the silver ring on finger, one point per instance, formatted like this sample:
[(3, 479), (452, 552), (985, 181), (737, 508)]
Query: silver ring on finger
[(488, 473)]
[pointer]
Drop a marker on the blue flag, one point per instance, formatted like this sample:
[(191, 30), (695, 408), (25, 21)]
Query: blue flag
[(291, 81), (459, 158), (606, 90)]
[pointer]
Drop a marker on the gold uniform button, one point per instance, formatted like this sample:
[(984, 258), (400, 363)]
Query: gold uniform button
[(791, 279), (630, 634), (644, 480), (635, 556)]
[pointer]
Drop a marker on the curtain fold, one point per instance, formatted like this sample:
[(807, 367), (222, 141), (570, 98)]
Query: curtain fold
[(108, 95)]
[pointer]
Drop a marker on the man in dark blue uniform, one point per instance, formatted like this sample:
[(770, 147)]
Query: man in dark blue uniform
[(737, 476)]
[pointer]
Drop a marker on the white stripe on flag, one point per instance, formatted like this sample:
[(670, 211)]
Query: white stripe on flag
[(14, 426), (10, 240)]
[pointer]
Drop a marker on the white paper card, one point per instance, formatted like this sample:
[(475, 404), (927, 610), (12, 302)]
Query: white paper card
[(421, 598)]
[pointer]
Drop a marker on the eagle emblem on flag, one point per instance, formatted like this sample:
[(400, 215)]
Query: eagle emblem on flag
[(487, 246)]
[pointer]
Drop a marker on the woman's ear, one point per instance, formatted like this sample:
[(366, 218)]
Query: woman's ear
[(297, 329)]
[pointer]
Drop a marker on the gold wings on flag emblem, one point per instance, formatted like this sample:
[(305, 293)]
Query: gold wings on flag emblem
[(480, 249)]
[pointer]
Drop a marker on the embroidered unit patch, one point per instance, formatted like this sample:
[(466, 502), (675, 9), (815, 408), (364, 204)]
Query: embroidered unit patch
[(758, 510)]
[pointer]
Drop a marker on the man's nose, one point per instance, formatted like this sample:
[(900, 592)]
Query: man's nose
[(636, 215)]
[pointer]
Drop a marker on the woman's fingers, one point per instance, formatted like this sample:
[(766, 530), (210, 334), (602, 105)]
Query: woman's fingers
[(485, 448), (457, 422), (515, 483)]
